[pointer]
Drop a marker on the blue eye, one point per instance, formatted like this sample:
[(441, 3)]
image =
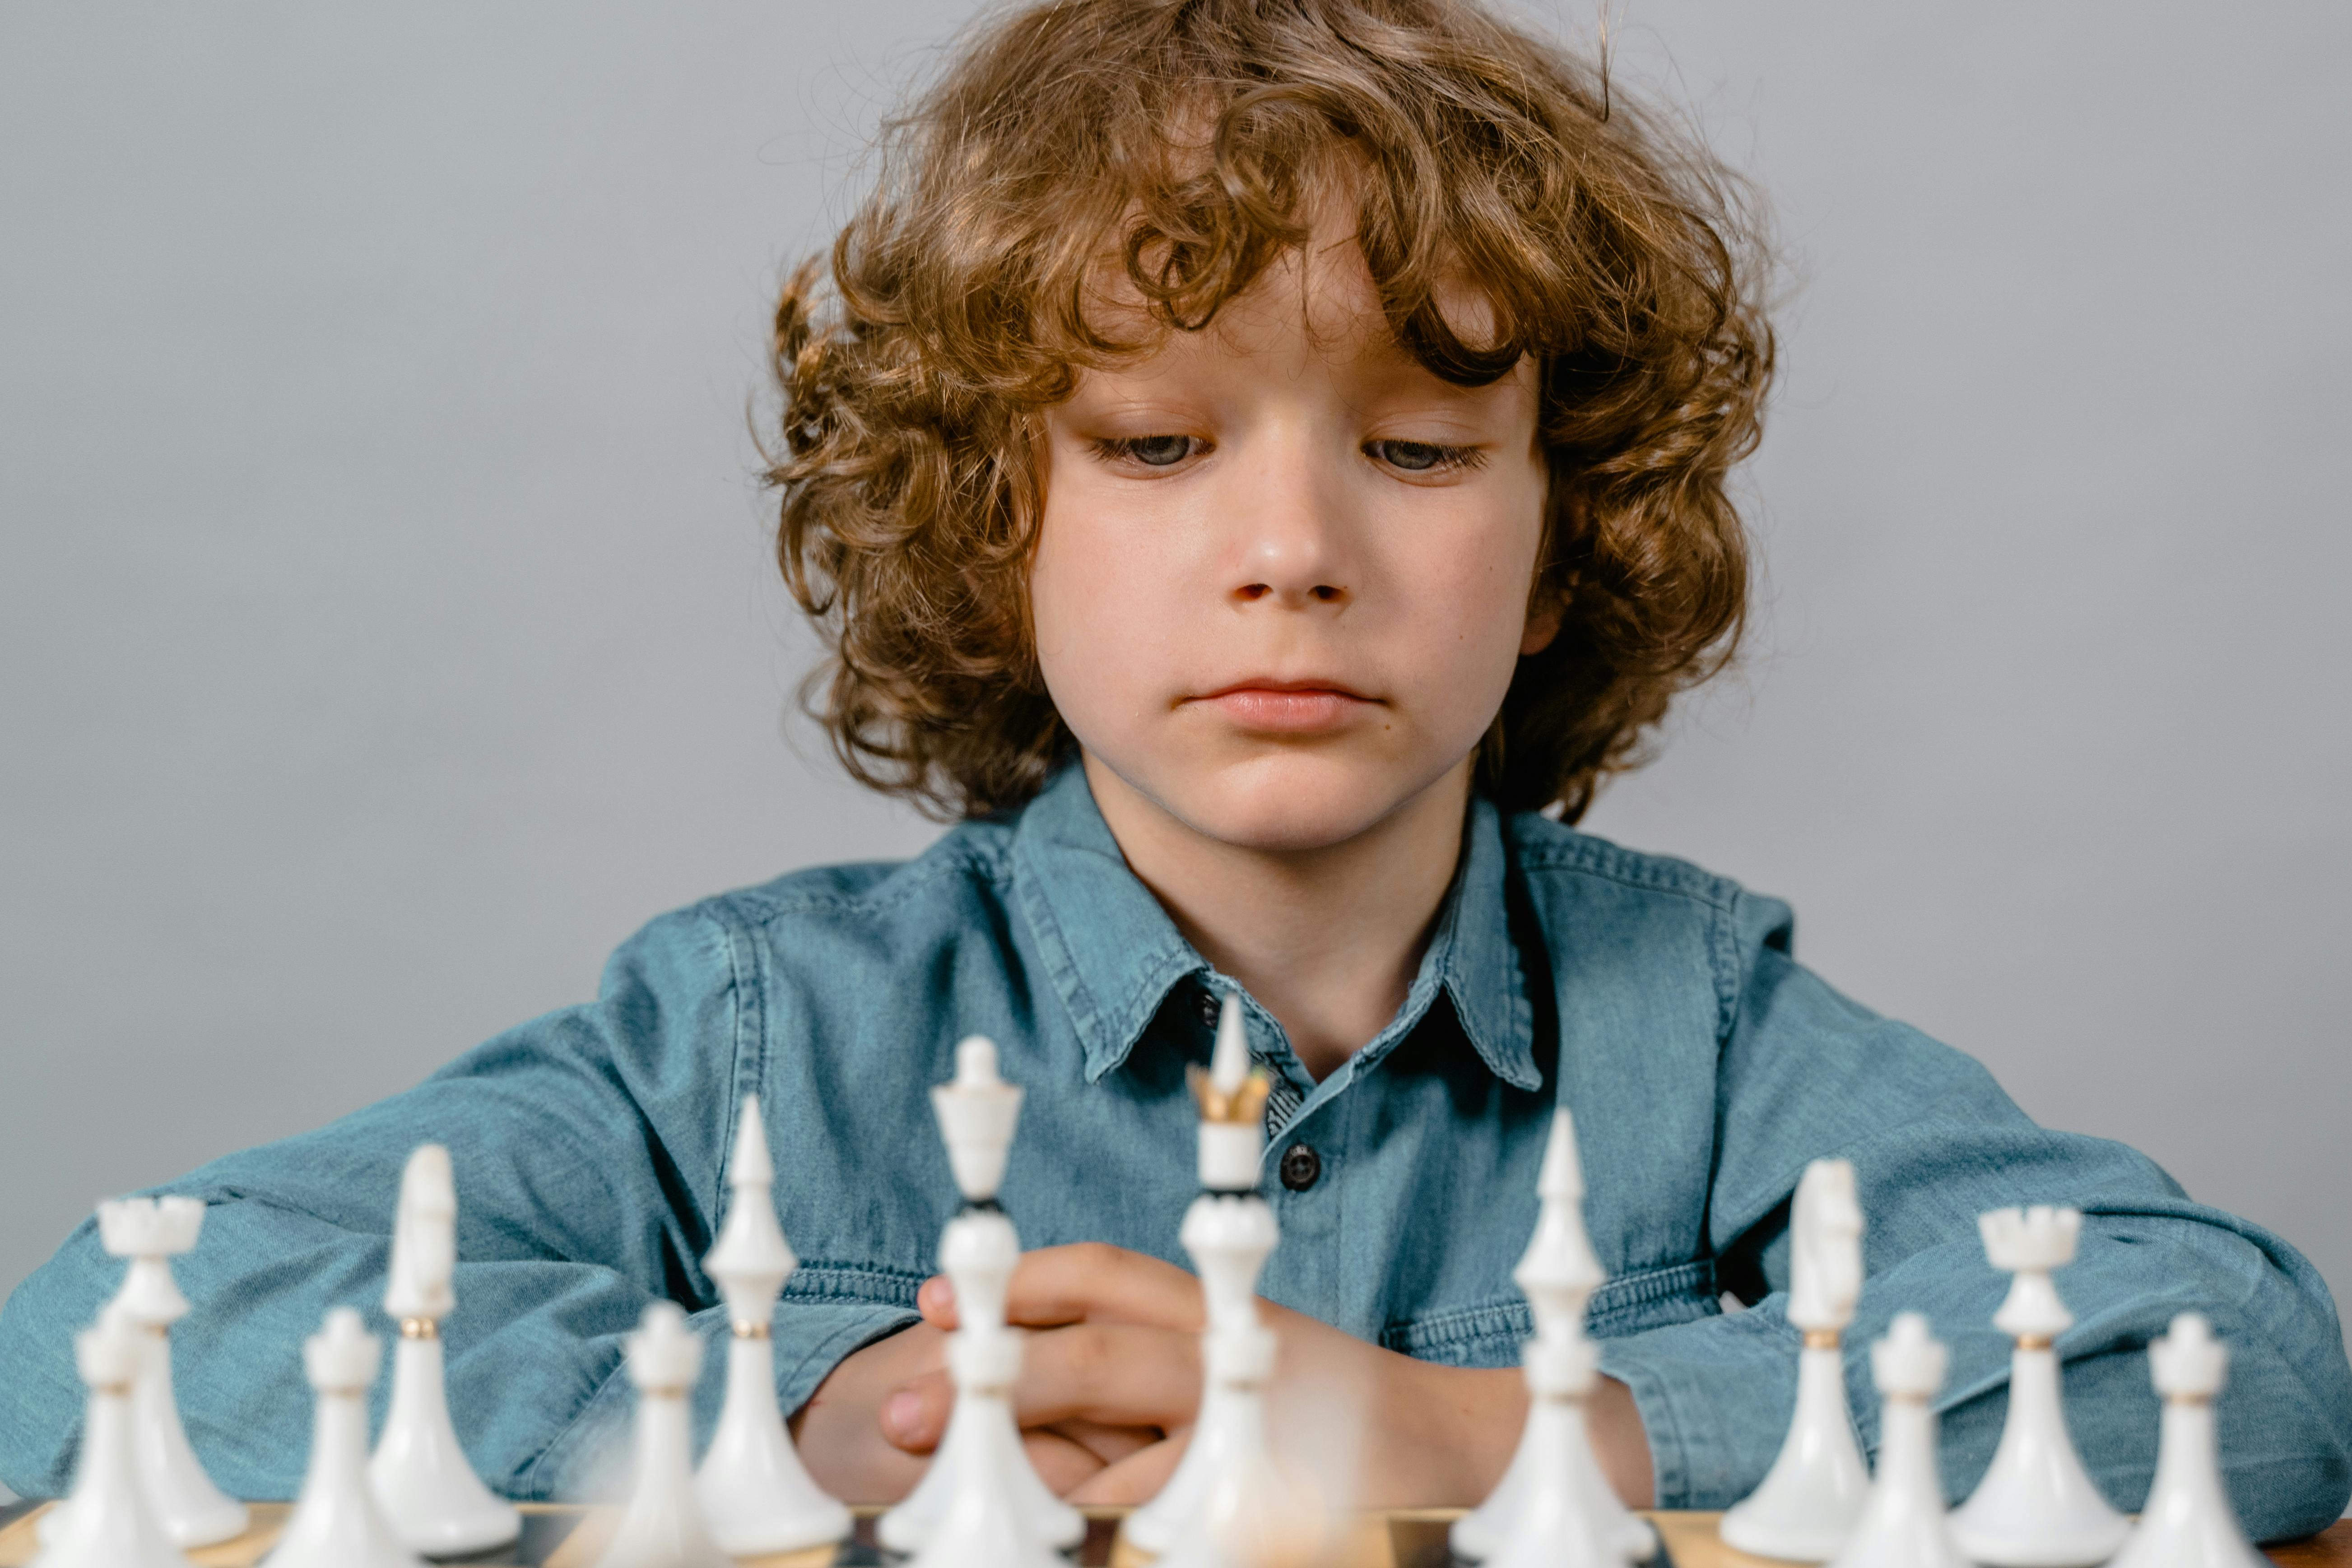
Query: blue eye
[(1151, 451), (1423, 457)]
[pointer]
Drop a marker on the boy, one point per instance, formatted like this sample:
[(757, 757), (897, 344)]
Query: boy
[(1265, 452)]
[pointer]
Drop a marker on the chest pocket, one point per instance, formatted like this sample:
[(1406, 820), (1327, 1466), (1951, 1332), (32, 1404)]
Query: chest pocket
[(1489, 1333)]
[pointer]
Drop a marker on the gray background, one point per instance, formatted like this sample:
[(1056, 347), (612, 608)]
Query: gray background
[(387, 629)]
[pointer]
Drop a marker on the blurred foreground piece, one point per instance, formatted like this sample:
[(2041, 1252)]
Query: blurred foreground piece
[(110, 1524), (336, 1522), (1903, 1523), (663, 1527), (1809, 1501), (2036, 1506), (422, 1480), (2188, 1521), (1201, 1515)]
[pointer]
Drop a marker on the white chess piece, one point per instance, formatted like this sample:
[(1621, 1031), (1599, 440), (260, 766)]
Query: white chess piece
[(149, 1232), (662, 1526), (109, 1525), (1229, 1231), (420, 1475), (1809, 1499), (980, 1451), (1903, 1523), (2188, 1521), (336, 1522), (1558, 1274), (755, 1492), (2036, 1506), (1558, 1525)]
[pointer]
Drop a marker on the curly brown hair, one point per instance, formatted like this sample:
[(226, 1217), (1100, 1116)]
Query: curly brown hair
[(1190, 144)]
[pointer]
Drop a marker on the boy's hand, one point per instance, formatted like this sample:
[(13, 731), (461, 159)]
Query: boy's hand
[(1112, 1367), (848, 1445)]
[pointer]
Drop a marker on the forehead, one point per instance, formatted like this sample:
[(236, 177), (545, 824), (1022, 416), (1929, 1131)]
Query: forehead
[(1314, 302)]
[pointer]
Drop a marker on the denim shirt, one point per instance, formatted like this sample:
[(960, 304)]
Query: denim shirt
[(1661, 1004)]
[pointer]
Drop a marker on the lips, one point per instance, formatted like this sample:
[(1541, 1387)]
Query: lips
[(1287, 707)]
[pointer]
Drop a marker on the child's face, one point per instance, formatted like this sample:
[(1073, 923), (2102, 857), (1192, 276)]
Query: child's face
[(1282, 577)]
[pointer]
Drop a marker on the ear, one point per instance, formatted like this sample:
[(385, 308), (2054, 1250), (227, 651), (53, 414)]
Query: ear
[(1548, 598), (1543, 625)]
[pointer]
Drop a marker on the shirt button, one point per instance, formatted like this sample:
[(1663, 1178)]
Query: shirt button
[(1301, 1168), (1211, 1006)]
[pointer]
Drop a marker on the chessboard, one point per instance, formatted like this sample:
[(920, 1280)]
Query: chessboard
[(559, 1536)]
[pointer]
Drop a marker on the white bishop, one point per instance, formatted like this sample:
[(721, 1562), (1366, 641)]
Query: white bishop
[(1554, 1490), (755, 1491)]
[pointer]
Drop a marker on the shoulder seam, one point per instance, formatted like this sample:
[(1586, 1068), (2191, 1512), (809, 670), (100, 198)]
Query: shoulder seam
[(988, 861)]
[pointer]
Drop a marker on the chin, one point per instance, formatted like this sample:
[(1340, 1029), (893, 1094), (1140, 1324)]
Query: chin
[(1293, 802)]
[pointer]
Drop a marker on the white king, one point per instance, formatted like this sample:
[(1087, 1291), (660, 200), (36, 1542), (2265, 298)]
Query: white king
[(1229, 1231), (981, 1504), (1814, 1492), (755, 1491), (2036, 1506), (420, 1475), (1553, 1504)]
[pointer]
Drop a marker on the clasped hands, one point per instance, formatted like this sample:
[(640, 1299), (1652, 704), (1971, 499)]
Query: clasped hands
[(1110, 1381)]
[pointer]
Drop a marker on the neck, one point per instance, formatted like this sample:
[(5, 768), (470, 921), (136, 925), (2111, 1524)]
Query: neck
[(1327, 938)]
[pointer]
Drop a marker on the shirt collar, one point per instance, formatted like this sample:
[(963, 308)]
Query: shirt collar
[(1113, 954)]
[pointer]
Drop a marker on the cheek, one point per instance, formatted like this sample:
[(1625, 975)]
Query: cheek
[(1468, 587), (1093, 612)]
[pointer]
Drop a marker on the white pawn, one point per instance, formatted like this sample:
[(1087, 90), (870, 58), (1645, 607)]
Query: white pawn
[(1809, 1499), (662, 1526), (422, 1480), (2036, 1506), (2188, 1521), (982, 1450), (149, 1232), (335, 1522), (755, 1492), (1558, 1274), (1903, 1523), (109, 1525), (1229, 1231)]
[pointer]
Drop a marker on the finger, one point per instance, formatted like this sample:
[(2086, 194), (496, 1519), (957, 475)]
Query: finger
[(1110, 1374), (914, 1415), (1061, 1464), (1089, 1281), (1109, 1443), (1134, 1479), (1115, 1375)]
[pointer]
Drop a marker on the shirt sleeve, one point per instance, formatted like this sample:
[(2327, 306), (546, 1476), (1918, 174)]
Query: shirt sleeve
[(588, 1147), (1806, 1074)]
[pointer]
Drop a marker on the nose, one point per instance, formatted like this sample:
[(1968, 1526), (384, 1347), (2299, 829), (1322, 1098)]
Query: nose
[(1294, 537)]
